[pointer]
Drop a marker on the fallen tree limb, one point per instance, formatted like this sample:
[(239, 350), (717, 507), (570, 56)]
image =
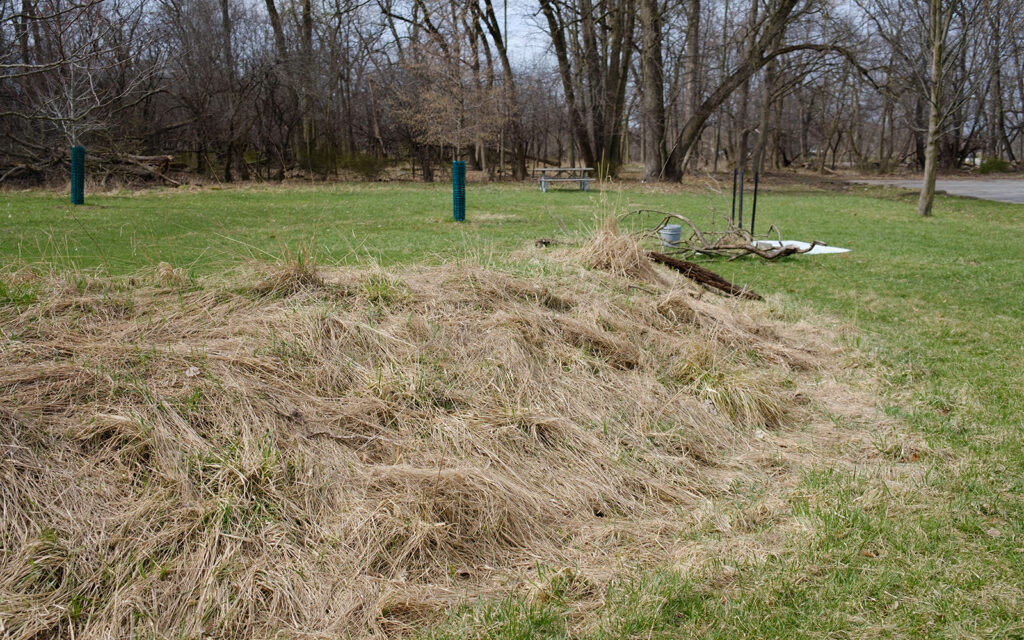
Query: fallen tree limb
[(735, 242), (162, 161), (703, 276), (18, 168), (769, 254)]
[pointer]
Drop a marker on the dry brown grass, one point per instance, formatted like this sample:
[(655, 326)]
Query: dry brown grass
[(321, 454), (618, 253)]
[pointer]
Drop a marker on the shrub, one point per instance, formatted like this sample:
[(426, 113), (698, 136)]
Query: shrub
[(993, 165), (365, 165)]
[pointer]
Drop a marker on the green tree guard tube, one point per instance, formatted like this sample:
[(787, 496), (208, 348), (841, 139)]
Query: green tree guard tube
[(459, 190), (77, 175)]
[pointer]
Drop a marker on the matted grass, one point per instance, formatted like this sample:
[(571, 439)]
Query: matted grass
[(939, 307), (333, 453)]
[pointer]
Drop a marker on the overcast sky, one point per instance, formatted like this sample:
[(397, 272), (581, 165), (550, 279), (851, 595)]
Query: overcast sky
[(526, 40)]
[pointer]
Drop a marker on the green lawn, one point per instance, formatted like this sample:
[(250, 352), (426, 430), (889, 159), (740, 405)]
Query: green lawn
[(214, 228), (938, 302)]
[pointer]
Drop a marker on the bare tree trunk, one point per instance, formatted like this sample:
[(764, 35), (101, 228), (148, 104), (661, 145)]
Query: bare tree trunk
[(919, 132), (22, 31), (767, 88), (577, 127), (740, 120), (997, 139), (691, 71), (931, 162), (275, 24), (754, 58), (595, 92), (653, 97), (423, 152), (500, 40), (229, 70), (306, 75), (241, 164), (938, 28), (723, 60)]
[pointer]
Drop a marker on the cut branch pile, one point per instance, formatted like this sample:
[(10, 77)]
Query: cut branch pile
[(734, 242), (101, 164), (622, 254)]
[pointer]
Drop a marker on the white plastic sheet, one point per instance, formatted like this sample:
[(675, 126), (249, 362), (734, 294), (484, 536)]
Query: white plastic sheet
[(819, 249)]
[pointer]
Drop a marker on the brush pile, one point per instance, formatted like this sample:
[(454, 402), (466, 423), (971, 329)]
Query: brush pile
[(733, 241), (319, 453)]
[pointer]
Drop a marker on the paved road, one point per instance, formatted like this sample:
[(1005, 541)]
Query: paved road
[(998, 190)]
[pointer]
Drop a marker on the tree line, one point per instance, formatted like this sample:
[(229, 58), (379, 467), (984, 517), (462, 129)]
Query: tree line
[(232, 90)]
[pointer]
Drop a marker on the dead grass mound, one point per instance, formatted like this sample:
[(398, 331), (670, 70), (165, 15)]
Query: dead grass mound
[(344, 453), (618, 253)]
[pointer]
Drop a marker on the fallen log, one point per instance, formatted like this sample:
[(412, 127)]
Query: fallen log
[(146, 163), (159, 163), (703, 276)]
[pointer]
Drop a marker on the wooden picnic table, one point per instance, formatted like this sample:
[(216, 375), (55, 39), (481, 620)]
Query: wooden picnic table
[(565, 174)]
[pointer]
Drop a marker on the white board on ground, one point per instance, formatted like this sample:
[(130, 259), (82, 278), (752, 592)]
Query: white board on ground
[(819, 249)]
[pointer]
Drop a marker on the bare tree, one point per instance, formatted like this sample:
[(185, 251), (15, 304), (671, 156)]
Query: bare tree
[(324, 88), (593, 43)]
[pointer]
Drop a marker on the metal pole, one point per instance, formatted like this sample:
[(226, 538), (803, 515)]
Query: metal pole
[(733, 217), (741, 198), (753, 214)]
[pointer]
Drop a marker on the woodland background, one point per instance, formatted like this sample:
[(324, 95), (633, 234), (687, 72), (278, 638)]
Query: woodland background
[(239, 90)]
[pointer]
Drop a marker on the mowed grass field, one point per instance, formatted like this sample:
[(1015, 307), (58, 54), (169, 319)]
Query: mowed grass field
[(938, 305)]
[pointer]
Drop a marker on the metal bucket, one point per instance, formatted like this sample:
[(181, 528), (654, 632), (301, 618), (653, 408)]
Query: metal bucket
[(671, 234)]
